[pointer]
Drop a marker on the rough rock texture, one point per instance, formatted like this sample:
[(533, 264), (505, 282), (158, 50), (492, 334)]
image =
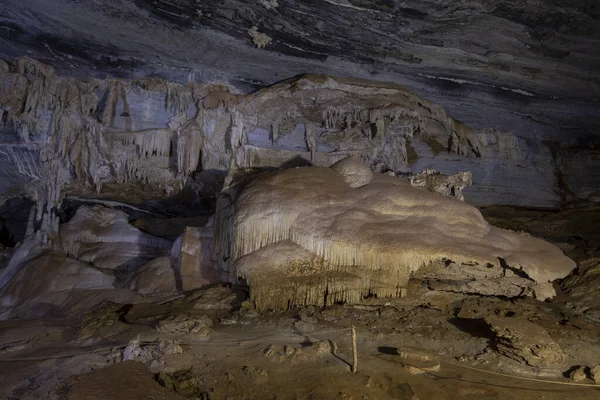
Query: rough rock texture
[(104, 237), (190, 325), (525, 342), (574, 229), (305, 236), (63, 135), (595, 374), (529, 67), (353, 171), (578, 374), (216, 298), (582, 288), (514, 56), (435, 182)]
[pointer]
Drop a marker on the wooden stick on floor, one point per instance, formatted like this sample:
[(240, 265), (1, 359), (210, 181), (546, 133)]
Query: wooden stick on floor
[(354, 351)]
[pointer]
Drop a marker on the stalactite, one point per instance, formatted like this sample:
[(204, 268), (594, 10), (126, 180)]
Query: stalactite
[(149, 143), (189, 143)]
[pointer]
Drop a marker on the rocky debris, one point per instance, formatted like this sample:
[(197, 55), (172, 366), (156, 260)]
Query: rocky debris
[(411, 369), (446, 185), (154, 355), (199, 326), (525, 342), (578, 374), (146, 313), (324, 347), (257, 375), (184, 382), (470, 278), (595, 374), (282, 353), (333, 313), (216, 298)]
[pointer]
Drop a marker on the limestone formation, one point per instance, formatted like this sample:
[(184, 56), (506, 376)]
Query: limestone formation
[(525, 342), (67, 135), (104, 237), (197, 326), (595, 374), (307, 236), (259, 39), (445, 185), (578, 374)]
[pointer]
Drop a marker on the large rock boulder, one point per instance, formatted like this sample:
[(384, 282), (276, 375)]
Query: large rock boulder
[(52, 273), (103, 236), (154, 277), (525, 342)]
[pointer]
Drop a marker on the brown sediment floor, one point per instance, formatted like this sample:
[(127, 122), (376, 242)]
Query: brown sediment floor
[(426, 346)]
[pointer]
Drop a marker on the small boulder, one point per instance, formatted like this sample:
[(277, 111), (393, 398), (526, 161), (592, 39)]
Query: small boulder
[(578, 374), (525, 342), (353, 171), (196, 325)]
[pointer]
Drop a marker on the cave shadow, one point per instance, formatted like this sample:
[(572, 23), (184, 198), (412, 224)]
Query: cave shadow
[(390, 351), (476, 327), (296, 162)]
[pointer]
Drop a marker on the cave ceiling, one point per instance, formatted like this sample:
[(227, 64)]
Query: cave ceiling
[(532, 67)]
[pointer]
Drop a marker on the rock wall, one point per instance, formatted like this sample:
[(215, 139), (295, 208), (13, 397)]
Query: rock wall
[(61, 134)]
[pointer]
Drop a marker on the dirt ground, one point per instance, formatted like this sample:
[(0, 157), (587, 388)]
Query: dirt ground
[(213, 345)]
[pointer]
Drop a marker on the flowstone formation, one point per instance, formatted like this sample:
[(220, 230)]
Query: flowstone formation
[(325, 235)]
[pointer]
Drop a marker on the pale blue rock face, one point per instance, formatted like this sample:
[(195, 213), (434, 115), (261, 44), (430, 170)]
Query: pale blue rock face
[(527, 180), (526, 68)]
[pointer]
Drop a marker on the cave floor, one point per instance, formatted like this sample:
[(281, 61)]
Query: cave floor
[(211, 344)]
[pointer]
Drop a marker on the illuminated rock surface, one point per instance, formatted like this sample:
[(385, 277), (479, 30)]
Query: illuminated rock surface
[(314, 236)]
